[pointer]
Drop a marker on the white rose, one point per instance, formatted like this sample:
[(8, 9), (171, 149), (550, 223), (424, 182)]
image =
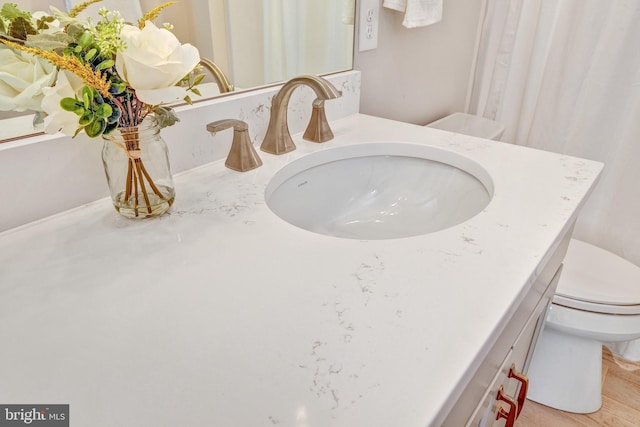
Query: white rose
[(22, 77), (68, 85), (153, 62)]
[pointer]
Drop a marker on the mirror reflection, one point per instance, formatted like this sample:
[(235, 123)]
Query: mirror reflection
[(246, 43)]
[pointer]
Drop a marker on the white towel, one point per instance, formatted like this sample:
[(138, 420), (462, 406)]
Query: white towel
[(417, 13)]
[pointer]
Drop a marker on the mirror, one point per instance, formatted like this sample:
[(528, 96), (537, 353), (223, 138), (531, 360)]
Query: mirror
[(253, 42)]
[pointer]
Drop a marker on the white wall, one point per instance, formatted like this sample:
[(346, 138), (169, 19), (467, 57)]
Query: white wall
[(420, 75)]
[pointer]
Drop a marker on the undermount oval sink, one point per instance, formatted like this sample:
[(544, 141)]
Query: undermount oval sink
[(381, 190)]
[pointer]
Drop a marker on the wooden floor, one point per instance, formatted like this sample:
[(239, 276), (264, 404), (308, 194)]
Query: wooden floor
[(620, 401)]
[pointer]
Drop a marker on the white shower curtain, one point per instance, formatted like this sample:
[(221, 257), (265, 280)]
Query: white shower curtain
[(306, 37), (564, 76)]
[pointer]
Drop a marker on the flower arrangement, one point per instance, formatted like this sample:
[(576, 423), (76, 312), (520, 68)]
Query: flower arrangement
[(93, 77), (103, 79)]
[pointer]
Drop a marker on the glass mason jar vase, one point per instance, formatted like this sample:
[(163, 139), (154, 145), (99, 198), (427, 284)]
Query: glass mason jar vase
[(136, 163)]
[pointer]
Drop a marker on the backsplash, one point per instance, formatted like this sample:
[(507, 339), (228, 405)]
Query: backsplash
[(47, 174)]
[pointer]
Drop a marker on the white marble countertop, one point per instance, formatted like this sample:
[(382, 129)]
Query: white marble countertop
[(222, 314)]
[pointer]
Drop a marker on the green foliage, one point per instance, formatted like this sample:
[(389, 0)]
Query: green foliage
[(10, 11), (43, 23), (96, 115), (190, 81), (20, 28), (16, 23), (88, 51), (52, 42), (106, 33), (165, 116), (75, 31)]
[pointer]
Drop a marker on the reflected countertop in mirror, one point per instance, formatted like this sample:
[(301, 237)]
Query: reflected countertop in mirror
[(254, 43)]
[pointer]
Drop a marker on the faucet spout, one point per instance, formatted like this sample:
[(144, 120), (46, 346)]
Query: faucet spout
[(221, 79), (278, 138)]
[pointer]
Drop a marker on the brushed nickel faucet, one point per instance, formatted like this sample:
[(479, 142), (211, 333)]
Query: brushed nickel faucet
[(278, 138), (221, 79), (242, 156)]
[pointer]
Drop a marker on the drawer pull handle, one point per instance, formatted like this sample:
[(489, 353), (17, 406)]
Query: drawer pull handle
[(524, 387), (509, 415)]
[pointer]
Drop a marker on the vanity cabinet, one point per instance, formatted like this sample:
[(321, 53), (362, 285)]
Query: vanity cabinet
[(506, 395), (497, 391)]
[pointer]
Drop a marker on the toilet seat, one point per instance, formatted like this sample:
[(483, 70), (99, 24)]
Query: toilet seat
[(595, 307), (599, 281), (593, 326)]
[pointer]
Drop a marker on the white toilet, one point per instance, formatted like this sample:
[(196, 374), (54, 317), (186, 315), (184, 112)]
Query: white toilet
[(597, 303)]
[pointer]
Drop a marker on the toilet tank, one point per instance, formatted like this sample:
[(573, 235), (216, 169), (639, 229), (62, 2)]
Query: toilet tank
[(468, 124)]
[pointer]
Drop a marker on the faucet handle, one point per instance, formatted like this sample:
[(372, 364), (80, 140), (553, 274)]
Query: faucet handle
[(318, 129), (242, 155)]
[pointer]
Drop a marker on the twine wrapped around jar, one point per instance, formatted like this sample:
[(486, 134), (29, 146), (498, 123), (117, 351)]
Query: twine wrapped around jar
[(136, 164)]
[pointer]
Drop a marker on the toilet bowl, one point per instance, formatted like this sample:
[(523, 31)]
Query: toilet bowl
[(597, 303)]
